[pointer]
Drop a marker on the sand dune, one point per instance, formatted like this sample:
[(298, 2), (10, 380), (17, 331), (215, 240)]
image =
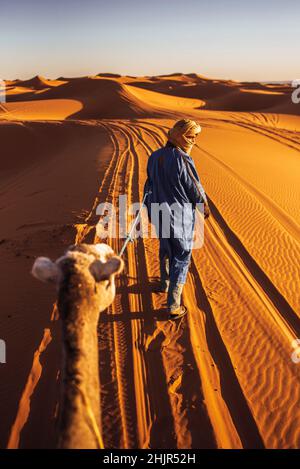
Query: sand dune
[(82, 98), (224, 95), (222, 377), (39, 82), (109, 95), (52, 109), (164, 101)]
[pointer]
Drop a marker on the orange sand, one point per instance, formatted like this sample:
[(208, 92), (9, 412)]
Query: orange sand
[(223, 376)]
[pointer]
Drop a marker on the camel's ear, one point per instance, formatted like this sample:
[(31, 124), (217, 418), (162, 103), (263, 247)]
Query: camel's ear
[(46, 270), (103, 270)]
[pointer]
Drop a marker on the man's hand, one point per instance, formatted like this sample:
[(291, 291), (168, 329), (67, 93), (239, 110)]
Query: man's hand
[(206, 210)]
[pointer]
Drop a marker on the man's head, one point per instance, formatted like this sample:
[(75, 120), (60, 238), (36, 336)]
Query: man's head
[(184, 133)]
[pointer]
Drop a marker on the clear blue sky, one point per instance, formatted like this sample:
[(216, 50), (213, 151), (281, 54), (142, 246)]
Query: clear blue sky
[(244, 40)]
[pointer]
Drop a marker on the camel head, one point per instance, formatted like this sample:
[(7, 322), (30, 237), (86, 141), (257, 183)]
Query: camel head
[(84, 277)]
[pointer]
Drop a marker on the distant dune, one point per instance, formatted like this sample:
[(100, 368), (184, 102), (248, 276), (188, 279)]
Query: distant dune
[(222, 377), (107, 96), (39, 82)]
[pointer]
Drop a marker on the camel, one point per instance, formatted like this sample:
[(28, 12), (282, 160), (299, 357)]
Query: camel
[(84, 277)]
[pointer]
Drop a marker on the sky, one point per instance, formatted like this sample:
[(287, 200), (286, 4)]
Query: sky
[(253, 40)]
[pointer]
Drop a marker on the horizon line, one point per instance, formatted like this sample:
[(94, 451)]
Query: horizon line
[(119, 75)]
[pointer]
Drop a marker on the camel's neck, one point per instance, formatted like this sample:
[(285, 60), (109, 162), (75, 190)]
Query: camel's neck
[(80, 412)]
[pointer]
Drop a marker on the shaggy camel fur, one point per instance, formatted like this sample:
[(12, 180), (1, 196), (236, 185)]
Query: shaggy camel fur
[(84, 277)]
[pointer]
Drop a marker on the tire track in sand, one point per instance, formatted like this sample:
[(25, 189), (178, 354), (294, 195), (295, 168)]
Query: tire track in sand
[(34, 376), (149, 373), (245, 315), (184, 383)]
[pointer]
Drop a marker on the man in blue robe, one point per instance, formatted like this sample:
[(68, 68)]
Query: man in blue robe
[(175, 189)]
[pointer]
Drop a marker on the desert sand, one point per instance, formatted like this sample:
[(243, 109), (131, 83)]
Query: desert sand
[(222, 377)]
